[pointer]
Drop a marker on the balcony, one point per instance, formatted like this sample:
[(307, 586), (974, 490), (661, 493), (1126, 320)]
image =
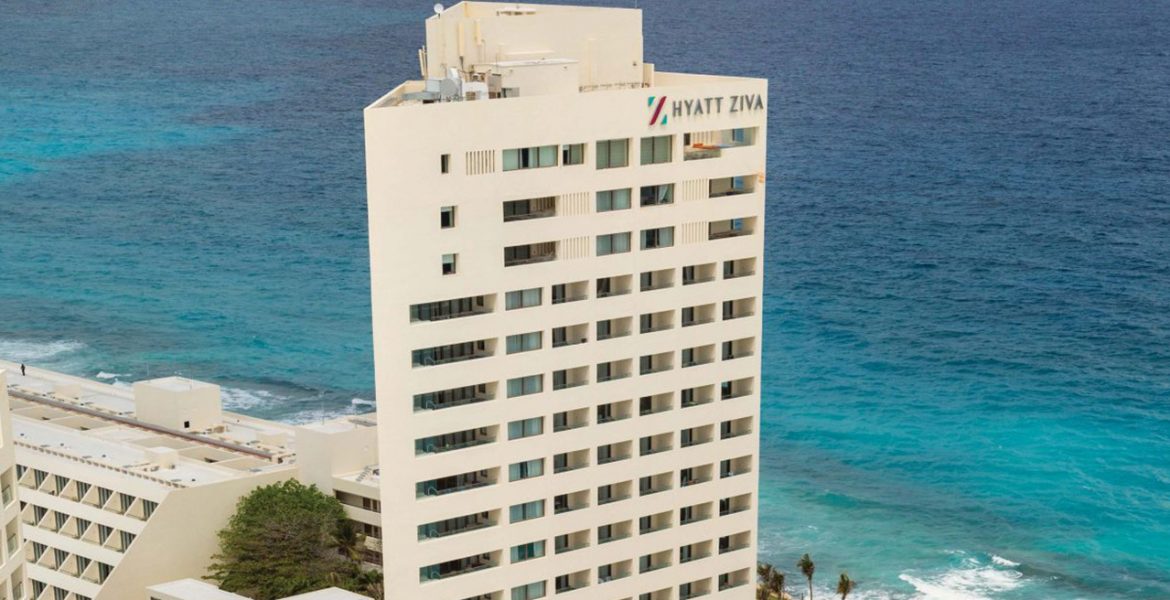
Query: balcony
[(452, 353), (565, 503), (653, 523), (454, 397), (740, 348), (696, 396), (528, 254), (613, 455), (571, 582), (655, 363), (612, 371), (449, 442), (455, 483), (612, 499), (695, 436), (570, 335), (656, 280), (744, 267), (571, 542), (653, 562), (735, 428), (533, 208), (613, 328), (732, 543), (730, 390), (730, 228), (654, 484), (649, 405), (449, 527), (693, 357), (619, 285), (570, 378), (570, 461), (701, 151), (563, 293), (738, 309), (570, 419), (735, 504), (735, 466), (463, 566), (700, 145), (613, 411), (653, 444), (732, 186), (451, 309)]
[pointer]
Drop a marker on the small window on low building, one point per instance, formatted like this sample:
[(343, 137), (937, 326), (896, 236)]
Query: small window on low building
[(449, 264), (445, 163), (447, 217)]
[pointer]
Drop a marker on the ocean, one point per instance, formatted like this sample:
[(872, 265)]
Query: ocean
[(967, 314)]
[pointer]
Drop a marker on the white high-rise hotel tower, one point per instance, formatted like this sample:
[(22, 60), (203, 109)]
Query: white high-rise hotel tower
[(566, 251)]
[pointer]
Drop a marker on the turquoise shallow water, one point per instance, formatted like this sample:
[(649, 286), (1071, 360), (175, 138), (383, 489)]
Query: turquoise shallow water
[(967, 372)]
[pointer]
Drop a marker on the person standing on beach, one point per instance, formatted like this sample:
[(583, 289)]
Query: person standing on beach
[(22, 369)]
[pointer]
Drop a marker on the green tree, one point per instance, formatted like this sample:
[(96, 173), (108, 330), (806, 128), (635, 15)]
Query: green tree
[(286, 539), (806, 566), (844, 585)]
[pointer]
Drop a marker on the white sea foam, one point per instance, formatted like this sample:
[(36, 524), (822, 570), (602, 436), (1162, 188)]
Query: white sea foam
[(241, 399), (105, 375), (1003, 562), (28, 351), (972, 580), (362, 402)]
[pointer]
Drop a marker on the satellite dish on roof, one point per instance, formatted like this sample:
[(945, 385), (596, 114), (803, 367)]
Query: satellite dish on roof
[(438, 8)]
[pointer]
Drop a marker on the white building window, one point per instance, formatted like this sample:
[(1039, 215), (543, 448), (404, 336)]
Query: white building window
[(526, 470), (613, 153), (522, 386), (614, 243), (531, 591), (530, 158), (527, 551), (613, 200), (662, 237), (525, 428), (524, 342), (526, 511), (657, 149), (522, 298), (572, 154), (449, 264)]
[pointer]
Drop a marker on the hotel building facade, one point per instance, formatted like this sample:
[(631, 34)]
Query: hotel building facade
[(566, 257)]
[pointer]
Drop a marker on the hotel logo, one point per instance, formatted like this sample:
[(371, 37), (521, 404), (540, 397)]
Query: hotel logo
[(656, 110)]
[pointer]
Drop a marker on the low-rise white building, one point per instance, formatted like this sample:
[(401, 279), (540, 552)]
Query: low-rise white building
[(124, 488)]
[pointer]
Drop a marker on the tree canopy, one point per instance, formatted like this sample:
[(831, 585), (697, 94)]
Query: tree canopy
[(287, 539)]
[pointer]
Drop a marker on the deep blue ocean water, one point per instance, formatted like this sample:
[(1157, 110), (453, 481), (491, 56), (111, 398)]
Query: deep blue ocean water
[(967, 352)]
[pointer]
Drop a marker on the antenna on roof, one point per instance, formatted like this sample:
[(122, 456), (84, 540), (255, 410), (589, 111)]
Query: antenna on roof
[(438, 8)]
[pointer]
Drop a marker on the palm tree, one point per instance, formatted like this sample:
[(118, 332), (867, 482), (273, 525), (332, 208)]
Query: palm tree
[(776, 584), (806, 566), (844, 585), (769, 582), (764, 573)]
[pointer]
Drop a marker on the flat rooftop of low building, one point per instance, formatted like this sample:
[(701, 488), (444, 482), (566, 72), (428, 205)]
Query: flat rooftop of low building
[(193, 589), (98, 399), (329, 594)]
